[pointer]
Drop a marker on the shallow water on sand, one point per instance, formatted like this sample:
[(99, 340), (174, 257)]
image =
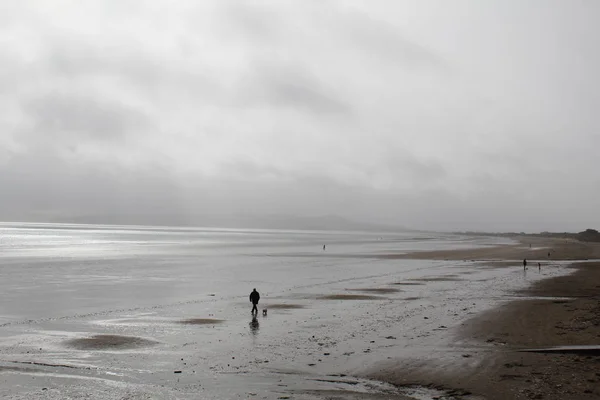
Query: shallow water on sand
[(141, 313)]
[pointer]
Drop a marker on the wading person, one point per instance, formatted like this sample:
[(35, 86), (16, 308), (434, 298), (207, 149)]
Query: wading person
[(254, 298)]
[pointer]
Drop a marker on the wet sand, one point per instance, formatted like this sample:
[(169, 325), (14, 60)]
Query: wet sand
[(282, 306), (558, 311), (377, 290), (342, 330), (408, 283), (559, 249), (201, 321), (109, 342), (350, 297)]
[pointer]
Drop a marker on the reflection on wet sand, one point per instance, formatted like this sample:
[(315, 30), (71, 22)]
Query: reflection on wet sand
[(254, 325)]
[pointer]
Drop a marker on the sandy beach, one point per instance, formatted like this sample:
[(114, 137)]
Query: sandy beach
[(158, 315), (532, 248), (558, 311)]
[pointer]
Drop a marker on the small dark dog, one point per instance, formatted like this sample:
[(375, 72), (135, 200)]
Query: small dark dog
[(264, 312)]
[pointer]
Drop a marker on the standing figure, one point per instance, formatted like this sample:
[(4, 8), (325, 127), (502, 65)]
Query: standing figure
[(540, 267), (254, 298), (524, 263), (323, 247)]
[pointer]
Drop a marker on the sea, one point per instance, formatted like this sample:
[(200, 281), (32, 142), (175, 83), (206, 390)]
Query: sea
[(147, 312)]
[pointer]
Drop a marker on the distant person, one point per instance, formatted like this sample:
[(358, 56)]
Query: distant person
[(540, 267), (254, 298), (524, 263), (548, 255), (323, 247)]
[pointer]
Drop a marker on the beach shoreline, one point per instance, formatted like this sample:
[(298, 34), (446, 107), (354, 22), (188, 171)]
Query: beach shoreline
[(356, 321), (558, 311), (531, 248)]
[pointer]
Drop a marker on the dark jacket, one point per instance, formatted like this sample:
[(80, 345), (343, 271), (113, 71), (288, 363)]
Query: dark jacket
[(254, 297)]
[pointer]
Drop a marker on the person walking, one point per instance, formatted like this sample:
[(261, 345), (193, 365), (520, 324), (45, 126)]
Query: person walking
[(524, 263), (254, 298)]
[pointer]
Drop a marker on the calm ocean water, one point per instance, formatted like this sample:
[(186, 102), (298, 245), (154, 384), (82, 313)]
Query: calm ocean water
[(55, 270), (61, 282)]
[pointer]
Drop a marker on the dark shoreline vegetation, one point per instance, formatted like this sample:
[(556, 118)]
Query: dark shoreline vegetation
[(589, 235)]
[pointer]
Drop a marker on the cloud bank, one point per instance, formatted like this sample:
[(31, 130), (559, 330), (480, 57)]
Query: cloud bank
[(446, 116)]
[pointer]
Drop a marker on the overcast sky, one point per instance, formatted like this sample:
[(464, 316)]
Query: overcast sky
[(428, 114)]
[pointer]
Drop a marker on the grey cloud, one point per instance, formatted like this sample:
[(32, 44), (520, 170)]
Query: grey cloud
[(77, 117), (47, 187), (297, 94), (251, 170), (378, 38), (132, 68), (332, 23), (420, 172), (84, 115), (74, 57), (259, 22), (65, 193), (276, 85), (303, 108)]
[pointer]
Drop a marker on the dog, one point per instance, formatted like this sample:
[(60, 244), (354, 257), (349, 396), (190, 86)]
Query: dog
[(264, 312)]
